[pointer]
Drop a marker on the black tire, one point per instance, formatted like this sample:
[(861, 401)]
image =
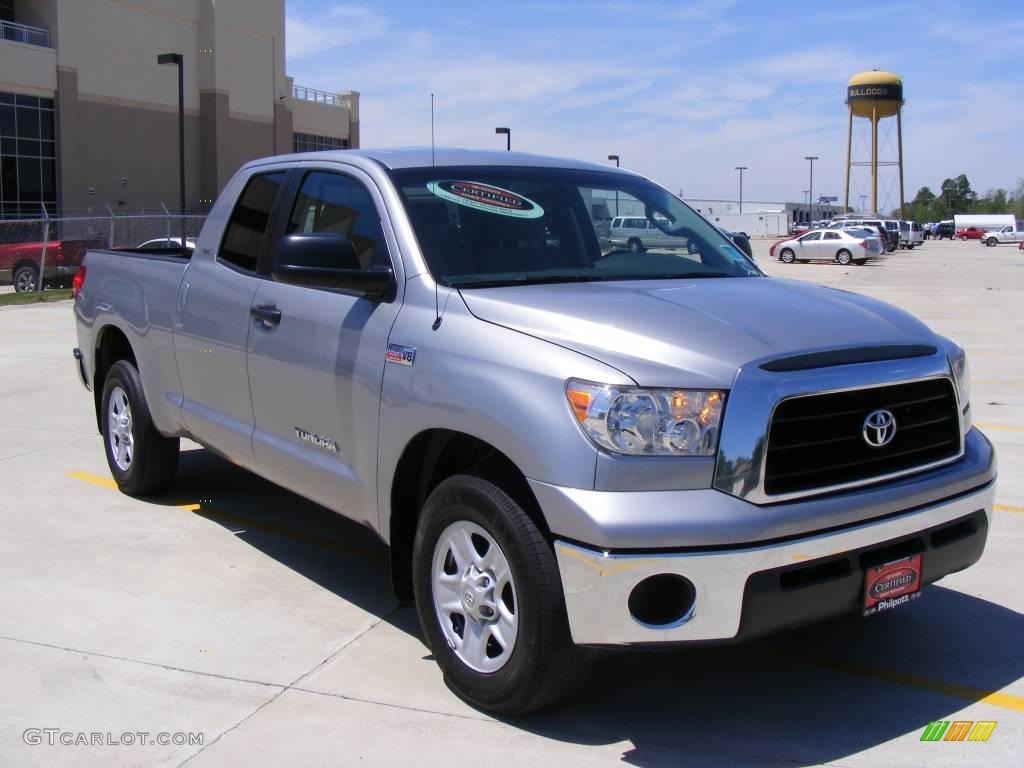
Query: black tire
[(544, 665), (635, 246), (991, 242), (844, 257), (154, 458), (25, 279), (963, 238), (786, 256)]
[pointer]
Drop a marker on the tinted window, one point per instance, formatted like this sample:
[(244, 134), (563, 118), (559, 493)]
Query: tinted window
[(330, 202), (832, 236), (243, 237), (810, 237), (483, 226)]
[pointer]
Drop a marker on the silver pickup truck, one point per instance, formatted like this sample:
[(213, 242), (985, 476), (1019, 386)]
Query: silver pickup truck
[(566, 449)]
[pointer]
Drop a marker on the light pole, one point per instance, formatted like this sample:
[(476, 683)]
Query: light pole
[(741, 169), (178, 60), (810, 192), (807, 199), (616, 159), (508, 137)]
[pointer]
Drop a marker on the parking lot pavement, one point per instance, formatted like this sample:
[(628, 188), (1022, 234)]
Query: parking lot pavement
[(235, 610)]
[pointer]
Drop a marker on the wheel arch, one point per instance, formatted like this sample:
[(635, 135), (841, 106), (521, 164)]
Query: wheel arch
[(111, 345), (429, 458)]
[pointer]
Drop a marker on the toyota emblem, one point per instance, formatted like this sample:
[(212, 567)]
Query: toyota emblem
[(879, 428)]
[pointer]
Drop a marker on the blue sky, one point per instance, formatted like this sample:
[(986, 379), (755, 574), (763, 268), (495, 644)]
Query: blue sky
[(682, 91)]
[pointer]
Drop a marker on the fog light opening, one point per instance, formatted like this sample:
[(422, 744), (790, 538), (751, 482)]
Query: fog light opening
[(663, 601)]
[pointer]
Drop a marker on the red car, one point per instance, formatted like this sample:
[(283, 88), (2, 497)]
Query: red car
[(971, 233), (19, 262)]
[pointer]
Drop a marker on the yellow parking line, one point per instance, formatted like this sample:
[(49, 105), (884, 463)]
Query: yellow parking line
[(1000, 426), (252, 525), (1009, 508), (966, 692), (88, 477)]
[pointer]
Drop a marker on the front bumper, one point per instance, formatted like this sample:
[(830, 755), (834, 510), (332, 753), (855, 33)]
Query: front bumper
[(744, 591)]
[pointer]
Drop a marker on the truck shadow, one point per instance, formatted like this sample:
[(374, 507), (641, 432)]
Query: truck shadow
[(808, 696)]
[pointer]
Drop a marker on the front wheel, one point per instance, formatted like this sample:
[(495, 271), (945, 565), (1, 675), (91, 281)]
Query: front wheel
[(635, 246), (489, 599), (787, 256), (844, 257), (140, 458), (991, 242)]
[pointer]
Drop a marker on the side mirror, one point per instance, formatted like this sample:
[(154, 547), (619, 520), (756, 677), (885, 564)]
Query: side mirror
[(328, 260)]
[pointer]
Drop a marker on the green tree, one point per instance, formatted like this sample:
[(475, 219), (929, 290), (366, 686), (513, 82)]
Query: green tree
[(993, 201), (1016, 201), (957, 195)]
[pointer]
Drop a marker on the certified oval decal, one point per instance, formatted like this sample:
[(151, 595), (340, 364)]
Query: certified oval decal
[(485, 197), (894, 582)]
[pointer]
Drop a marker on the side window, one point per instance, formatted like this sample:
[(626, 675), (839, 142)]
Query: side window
[(832, 236), (810, 237), (330, 202), (243, 236)]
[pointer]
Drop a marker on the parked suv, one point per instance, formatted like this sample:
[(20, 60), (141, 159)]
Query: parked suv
[(944, 230), (637, 233)]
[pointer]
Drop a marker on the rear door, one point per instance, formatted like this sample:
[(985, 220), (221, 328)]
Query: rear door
[(212, 328), (831, 244), (316, 373)]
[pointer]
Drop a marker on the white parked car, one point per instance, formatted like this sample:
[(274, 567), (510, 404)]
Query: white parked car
[(167, 242), (839, 245)]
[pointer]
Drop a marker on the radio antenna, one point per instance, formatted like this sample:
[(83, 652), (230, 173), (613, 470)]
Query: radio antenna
[(437, 308)]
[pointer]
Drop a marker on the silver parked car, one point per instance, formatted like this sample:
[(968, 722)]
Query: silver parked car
[(638, 233), (839, 245)]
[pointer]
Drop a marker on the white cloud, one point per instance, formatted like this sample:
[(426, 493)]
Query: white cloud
[(331, 28)]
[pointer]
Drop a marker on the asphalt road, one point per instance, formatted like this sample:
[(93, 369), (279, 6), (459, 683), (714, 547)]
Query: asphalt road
[(264, 624)]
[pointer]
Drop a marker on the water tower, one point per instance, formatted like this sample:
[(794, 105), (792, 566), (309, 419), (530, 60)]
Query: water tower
[(874, 95)]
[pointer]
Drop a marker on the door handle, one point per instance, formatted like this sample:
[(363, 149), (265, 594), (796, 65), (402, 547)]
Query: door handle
[(267, 314)]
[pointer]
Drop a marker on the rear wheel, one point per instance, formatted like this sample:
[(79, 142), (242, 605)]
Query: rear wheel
[(140, 458), (490, 602), (635, 246), (844, 257), (787, 256), (25, 279), (963, 238)]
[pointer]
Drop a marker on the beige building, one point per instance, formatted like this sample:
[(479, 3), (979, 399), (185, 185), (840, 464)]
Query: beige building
[(88, 117)]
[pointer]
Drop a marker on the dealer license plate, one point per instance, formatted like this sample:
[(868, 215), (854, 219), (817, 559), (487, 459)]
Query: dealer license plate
[(892, 585)]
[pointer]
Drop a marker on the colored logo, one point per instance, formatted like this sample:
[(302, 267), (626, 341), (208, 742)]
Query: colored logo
[(958, 730), (485, 197), (396, 353), (879, 428)]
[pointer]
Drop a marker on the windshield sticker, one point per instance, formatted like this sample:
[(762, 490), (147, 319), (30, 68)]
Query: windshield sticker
[(484, 197)]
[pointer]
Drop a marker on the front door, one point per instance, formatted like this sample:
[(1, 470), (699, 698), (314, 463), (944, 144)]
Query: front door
[(316, 372), (810, 246), (212, 324)]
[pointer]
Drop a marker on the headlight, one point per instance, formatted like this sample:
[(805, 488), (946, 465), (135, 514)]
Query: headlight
[(962, 376), (648, 422)]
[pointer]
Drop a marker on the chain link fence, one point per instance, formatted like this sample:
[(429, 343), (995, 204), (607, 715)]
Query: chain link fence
[(52, 248)]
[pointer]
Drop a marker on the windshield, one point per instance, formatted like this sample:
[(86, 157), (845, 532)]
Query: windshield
[(490, 226)]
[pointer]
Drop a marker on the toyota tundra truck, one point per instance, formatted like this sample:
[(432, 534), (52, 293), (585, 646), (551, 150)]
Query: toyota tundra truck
[(566, 449)]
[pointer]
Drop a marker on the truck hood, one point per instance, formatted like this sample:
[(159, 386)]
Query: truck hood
[(695, 333)]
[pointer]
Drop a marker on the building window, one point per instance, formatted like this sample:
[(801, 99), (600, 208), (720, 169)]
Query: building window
[(309, 142), (7, 10), (28, 168)]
